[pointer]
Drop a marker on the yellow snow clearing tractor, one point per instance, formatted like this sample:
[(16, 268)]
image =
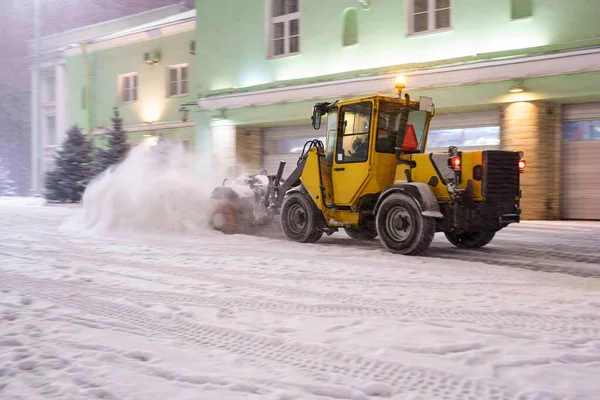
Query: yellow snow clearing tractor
[(373, 178)]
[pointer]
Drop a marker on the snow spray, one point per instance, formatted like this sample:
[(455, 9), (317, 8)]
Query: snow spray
[(155, 189)]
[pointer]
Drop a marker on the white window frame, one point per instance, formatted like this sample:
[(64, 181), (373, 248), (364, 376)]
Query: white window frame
[(49, 91), (121, 81), (179, 92), (47, 130), (270, 21), (431, 9)]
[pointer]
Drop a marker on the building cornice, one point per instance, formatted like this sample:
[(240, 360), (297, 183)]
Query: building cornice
[(136, 37), (568, 62), (156, 126)]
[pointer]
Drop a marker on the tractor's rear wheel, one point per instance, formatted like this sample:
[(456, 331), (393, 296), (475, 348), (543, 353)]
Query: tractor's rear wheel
[(299, 219), (361, 233), (401, 227), (470, 240)]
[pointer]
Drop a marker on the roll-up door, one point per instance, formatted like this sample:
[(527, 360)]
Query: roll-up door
[(477, 130), (579, 161), (285, 143)]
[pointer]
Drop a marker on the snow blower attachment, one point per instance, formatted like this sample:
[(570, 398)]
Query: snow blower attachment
[(245, 203), (374, 180)]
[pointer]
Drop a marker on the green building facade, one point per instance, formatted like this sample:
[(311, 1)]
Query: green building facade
[(506, 74), (147, 72)]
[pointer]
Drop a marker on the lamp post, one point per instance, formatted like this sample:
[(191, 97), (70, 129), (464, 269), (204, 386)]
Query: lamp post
[(37, 137), (184, 113)]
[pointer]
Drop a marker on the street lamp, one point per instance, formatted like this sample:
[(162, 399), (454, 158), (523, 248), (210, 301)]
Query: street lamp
[(37, 139), (184, 113)]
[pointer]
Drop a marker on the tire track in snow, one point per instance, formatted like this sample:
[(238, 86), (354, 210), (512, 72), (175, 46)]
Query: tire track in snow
[(351, 306), (320, 362), (259, 263), (512, 253)]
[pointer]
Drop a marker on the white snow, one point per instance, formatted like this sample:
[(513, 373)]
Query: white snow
[(137, 314), (154, 189)]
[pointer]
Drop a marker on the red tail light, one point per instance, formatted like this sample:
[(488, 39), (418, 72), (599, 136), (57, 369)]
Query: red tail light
[(455, 163), (522, 164)]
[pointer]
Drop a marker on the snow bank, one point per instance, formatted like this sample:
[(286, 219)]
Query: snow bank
[(16, 201), (160, 189)]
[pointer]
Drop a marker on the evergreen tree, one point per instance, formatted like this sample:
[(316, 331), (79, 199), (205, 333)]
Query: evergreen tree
[(100, 162), (117, 146), (7, 187), (72, 169)]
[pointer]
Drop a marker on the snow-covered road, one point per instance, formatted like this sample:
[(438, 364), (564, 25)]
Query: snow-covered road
[(131, 316)]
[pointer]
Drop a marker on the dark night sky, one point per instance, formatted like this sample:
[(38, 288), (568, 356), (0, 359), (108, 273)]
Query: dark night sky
[(16, 27)]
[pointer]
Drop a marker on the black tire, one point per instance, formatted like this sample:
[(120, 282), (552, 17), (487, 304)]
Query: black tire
[(360, 233), (470, 240), (299, 219), (401, 227)]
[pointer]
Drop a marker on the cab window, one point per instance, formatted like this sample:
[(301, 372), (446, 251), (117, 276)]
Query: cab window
[(332, 122), (353, 137), (388, 124)]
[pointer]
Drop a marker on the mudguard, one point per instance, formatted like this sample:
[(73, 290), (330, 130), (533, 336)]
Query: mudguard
[(418, 191)]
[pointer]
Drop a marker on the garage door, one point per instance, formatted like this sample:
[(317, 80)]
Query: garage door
[(581, 175), (478, 130), (285, 143)]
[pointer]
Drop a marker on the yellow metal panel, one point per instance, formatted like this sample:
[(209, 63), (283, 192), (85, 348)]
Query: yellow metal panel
[(423, 172), (468, 161), (311, 179)]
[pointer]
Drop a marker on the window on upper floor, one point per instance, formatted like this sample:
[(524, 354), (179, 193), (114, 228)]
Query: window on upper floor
[(128, 87), (521, 9), (350, 35), (284, 27), (428, 15), (50, 130), (50, 89), (177, 80)]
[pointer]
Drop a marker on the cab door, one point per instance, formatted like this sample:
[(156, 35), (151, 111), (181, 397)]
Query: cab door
[(351, 164)]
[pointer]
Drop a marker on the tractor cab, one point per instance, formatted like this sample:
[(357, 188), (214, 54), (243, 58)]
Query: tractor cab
[(366, 139)]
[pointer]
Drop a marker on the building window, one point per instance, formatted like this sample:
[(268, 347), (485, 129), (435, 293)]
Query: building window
[(177, 80), (521, 9), (350, 27), (50, 89), (128, 86), (581, 131), (429, 15), (464, 137), (50, 130), (284, 28)]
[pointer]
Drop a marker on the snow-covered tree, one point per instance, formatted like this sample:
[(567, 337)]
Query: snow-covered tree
[(72, 171), (118, 148), (7, 186)]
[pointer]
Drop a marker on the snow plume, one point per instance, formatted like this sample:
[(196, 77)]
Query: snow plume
[(159, 188)]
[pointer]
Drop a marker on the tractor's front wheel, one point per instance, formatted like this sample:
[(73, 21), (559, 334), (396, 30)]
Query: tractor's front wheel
[(299, 219), (470, 240), (401, 227)]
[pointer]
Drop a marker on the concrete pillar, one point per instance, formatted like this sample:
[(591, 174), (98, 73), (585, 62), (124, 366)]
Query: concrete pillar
[(35, 135), (531, 127), (61, 97), (224, 151), (249, 143), (203, 141)]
